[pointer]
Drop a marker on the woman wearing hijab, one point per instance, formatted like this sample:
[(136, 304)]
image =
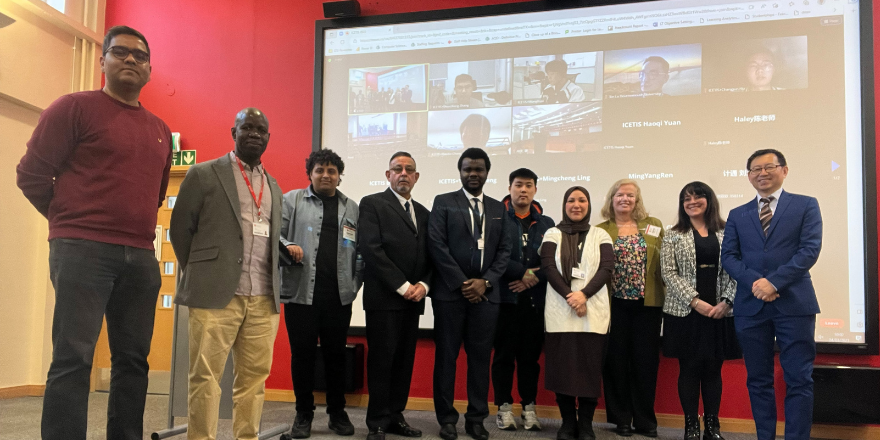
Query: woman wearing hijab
[(578, 261)]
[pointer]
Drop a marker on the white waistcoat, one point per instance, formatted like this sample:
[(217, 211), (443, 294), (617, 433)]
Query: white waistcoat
[(559, 317)]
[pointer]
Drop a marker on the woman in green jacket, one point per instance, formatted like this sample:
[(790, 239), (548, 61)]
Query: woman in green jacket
[(637, 296)]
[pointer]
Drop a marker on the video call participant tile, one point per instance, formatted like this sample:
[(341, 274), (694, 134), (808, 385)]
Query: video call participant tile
[(653, 71), (757, 65), (470, 84), (558, 128), (551, 79), (387, 89), (451, 131)]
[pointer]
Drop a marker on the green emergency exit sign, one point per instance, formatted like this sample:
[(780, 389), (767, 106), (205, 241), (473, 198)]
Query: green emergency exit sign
[(184, 157)]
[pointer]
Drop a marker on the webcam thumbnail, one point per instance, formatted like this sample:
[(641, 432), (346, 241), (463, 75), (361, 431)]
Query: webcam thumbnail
[(386, 89), (557, 79), (559, 128), (470, 84), (451, 131), (384, 133), (759, 65), (653, 71)]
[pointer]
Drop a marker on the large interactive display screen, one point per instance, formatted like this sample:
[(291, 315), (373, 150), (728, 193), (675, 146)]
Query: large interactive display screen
[(662, 92)]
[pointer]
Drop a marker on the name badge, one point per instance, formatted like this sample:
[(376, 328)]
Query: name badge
[(480, 244), (349, 233), (653, 231), (577, 273), (261, 229)]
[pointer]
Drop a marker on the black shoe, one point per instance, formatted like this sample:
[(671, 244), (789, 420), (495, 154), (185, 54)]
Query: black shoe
[(376, 434), (448, 432), (691, 427), (585, 429), (403, 428), (568, 430), (340, 424), (476, 430), (302, 425), (624, 431), (652, 432), (713, 427)]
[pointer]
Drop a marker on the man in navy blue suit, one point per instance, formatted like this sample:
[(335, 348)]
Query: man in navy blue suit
[(466, 240), (770, 244)]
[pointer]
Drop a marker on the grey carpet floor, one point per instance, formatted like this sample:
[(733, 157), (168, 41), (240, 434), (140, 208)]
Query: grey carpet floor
[(20, 420)]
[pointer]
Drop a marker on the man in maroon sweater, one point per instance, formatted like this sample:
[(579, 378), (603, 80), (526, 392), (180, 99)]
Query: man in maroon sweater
[(97, 167)]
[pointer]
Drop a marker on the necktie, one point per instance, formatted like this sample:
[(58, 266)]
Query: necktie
[(478, 227), (409, 215), (476, 256), (766, 214)]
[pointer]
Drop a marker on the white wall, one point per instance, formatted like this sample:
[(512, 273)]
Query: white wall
[(48, 48)]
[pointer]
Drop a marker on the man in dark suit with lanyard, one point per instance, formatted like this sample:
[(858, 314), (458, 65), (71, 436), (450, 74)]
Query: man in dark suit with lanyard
[(770, 244), (397, 275), (466, 239)]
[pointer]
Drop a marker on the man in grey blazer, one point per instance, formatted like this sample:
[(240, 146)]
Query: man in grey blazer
[(225, 230)]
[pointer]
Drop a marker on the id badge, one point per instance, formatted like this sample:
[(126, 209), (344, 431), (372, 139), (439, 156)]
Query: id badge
[(349, 233), (577, 273), (480, 244), (261, 229), (653, 231)]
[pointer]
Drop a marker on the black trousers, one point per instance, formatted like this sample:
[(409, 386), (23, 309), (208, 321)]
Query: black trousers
[(632, 363), (519, 337), (457, 322), (696, 376), (92, 281), (306, 324), (391, 341)]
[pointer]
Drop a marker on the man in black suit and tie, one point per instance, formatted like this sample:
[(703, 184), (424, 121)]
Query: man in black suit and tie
[(397, 274), (466, 240)]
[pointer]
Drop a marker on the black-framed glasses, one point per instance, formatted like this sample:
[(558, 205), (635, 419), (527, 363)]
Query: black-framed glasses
[(768, 168), (122, 52)]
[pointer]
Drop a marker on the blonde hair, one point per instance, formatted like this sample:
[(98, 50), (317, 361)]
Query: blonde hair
[(639, 212)]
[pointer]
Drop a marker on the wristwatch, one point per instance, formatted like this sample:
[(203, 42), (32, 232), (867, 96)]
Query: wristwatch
[(488, 285), (727, 300)]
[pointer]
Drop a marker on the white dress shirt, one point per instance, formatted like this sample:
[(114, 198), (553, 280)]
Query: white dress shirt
[(773, 202), (470, 217), (412, 208), (412, 213)]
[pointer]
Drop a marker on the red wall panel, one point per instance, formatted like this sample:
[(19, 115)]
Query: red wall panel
[(212, 58)]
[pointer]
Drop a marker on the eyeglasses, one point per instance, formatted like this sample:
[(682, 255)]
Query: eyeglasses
[(122, 52), (768, 168), (763, 66), (399, 170)]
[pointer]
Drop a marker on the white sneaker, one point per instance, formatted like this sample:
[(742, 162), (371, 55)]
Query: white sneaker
[(504, 419), (530, 419)]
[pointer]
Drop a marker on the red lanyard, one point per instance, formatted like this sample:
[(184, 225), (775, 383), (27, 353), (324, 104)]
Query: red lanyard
[(259, 200)]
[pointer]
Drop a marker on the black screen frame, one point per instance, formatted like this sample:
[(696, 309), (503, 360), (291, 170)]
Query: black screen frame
[(871, 346)]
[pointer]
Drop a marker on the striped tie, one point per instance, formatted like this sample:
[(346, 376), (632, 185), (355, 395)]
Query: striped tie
[(766, 215)]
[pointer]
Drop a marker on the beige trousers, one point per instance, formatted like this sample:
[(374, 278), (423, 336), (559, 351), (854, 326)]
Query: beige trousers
[(247, 326)]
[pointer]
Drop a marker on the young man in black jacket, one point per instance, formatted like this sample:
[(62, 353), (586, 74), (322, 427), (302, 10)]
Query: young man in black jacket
[(519, 334)]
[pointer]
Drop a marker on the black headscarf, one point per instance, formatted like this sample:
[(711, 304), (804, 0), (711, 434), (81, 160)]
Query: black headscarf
[(571, 233)]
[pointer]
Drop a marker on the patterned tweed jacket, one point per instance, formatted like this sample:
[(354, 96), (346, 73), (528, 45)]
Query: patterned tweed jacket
[(678, 260)]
